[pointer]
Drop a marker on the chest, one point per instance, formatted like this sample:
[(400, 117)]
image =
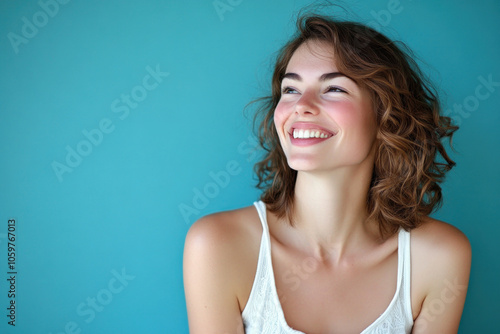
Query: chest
[(320, 298)]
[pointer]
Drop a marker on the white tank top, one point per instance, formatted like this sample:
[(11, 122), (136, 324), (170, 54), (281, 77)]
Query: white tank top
[(263, 313)]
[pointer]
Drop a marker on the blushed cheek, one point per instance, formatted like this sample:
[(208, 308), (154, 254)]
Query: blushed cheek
[(279, 118), (353, 116), (279, 122)]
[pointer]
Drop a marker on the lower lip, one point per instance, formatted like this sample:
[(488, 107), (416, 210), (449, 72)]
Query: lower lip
[(306, 142)]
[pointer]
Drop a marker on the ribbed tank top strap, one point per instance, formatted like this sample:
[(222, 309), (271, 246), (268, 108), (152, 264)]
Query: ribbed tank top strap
[(262, 263), (405, 247), (261, 210)]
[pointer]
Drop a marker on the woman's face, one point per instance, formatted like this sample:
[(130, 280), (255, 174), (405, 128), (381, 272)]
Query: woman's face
[(324, 119)]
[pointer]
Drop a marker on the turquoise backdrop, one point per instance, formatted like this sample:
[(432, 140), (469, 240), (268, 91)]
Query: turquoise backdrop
[(122, 122)]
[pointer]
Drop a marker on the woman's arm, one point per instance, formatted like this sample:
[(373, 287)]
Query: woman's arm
[(210, 278), (445, 260)]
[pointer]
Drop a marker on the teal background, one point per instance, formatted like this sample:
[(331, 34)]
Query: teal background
[(120, 208)]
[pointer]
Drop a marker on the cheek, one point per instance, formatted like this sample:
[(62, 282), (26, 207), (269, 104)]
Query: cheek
[(355, 117), (280, 117), (344, 113)]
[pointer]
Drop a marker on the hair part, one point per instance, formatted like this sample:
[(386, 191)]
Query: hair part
[(407, 171)]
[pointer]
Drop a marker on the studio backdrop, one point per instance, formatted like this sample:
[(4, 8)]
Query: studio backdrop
[(123, 122)]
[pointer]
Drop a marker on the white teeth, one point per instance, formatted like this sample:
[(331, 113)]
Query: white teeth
[(305, 134)]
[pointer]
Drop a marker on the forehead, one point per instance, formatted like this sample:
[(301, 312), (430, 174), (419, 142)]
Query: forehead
[(312, 56)]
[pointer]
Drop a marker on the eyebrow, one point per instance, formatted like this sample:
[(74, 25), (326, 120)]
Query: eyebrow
[(324, 77)]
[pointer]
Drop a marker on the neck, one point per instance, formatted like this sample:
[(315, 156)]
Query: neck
[(330, 211)]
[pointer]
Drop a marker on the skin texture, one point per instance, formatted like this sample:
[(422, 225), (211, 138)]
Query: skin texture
[(333, 271)]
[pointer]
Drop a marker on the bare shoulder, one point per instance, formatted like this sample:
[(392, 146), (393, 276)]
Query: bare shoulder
[(227, 240), (443, 242), (224, 231), (220, 258), (440, 262)]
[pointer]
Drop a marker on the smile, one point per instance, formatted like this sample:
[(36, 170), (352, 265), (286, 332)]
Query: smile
[(307, 134), (310, 133)]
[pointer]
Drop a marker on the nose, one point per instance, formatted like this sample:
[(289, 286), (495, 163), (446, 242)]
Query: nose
[(307, 103)]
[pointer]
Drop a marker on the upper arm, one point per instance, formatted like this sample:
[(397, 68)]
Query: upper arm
[(209, 279), (447, 267)]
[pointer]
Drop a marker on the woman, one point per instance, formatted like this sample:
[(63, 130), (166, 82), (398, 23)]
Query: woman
[(341, 241)]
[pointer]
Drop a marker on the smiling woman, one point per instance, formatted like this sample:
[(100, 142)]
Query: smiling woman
[(316, 98), (341, 241)]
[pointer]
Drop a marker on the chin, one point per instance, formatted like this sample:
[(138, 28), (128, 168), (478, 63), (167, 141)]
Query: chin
[(303, 165)]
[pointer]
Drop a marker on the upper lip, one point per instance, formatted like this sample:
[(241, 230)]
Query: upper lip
[(310, 126)]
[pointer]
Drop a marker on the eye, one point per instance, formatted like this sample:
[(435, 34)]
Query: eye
[(334, 89), (289, 90)]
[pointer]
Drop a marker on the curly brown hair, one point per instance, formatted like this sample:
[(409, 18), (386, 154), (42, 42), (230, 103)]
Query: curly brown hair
[(404, 185)]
